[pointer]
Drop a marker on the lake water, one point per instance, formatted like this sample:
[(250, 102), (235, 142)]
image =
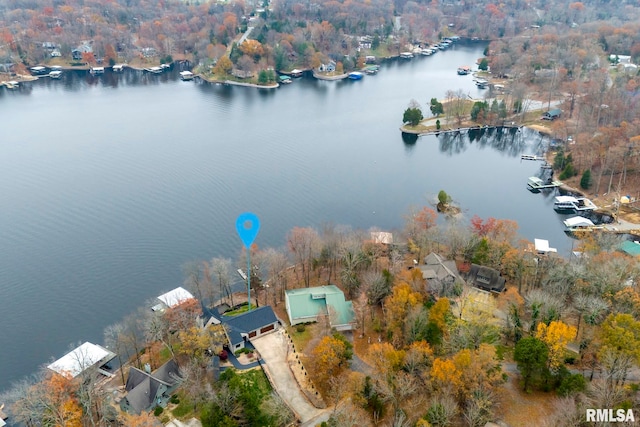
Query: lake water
[(109, 184)]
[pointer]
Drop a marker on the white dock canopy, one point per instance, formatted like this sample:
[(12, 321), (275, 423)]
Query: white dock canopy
[(173, 298), (542, 246), (578, 221), (82, 358)]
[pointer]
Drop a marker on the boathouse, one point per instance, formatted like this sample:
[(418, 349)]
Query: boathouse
[(83, 358), (172, 299)]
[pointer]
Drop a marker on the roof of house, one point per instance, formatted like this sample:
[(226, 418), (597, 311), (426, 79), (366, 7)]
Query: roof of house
[(242, 324), (80, 359), (142, 388), (436, 268), (486, 278), (310, 302), (175, 297), (630, 247), (554, 112)]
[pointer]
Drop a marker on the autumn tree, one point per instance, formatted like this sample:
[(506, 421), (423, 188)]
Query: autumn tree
[(620, 346), (556, 336), (330, 357)]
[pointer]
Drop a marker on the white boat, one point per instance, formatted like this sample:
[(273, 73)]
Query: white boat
[(96, 70), (573, 204), (356, 75), (406, 55), (12, 84), (426, 52), (154, 70), (186, 75), (464, 70), (55, 74), (118, 68)]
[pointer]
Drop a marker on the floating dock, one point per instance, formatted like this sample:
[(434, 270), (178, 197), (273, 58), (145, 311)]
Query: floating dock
[(531, 157), (536, 183)]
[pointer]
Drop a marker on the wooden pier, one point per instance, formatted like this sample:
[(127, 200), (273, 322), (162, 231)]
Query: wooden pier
[(535, 183)]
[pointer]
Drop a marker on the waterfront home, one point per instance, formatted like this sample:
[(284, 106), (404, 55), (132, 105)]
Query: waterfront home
[(329, 67), (83, 358), (486, 278), (570, 204), (146, 390), (243, 327), (552, 114), (308, 304), (173, 299), (77, 53), (441, 275)]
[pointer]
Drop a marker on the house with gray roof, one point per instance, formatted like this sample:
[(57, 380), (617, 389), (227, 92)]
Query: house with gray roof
[(486, 278), (308, 304), (146, 390), (441, 275), (241, 328)]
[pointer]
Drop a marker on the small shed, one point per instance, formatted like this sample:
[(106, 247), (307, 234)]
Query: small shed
[(552, 114)]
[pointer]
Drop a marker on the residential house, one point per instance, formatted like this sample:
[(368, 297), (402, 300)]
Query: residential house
[(552, 114), (329, 67), (241, 328), (77, 53), (441, 275), (147, 390), (308, 304), (486, 278)]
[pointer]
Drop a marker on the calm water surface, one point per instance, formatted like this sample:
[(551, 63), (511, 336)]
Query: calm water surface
[(108, 185)]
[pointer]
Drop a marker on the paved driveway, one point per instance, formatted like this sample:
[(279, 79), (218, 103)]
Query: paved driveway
[(273, 350)]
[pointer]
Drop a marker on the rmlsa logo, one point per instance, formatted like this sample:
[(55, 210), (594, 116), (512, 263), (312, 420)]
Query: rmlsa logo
[(610, 415)]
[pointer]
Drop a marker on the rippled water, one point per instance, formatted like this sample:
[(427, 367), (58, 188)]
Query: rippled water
[(108, 185)]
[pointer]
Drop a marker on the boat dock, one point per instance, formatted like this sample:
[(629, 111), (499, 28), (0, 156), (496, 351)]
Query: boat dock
[(536, 183), (531, 157)]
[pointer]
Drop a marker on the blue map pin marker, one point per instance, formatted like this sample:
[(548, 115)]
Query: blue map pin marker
[(247, 226)]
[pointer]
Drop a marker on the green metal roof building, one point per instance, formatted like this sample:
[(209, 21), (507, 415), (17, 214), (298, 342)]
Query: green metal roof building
[(631, 248), (307, 304)]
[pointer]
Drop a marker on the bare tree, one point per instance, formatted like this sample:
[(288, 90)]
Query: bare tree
[(220, 269)]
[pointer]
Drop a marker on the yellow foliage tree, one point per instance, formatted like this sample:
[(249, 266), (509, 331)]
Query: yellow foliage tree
[(556, 336), (398, 305), (438, 313), (223, 66), (385, 358), (328, 358)]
